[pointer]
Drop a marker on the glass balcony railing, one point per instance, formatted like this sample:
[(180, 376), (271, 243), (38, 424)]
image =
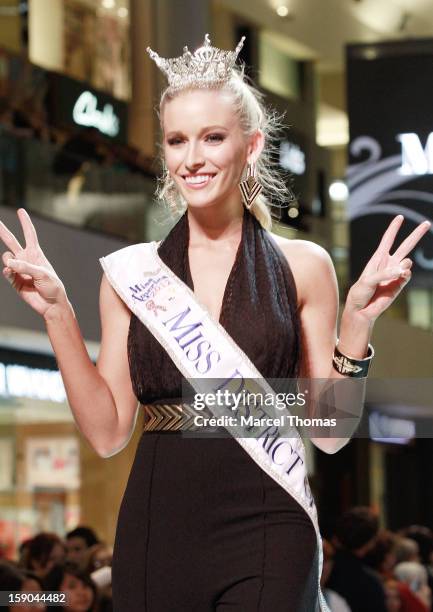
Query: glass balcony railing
[(80, 183)]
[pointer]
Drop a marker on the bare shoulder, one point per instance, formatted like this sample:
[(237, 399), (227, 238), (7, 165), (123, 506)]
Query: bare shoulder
[(305, 251), (311, 265), (109, 299)]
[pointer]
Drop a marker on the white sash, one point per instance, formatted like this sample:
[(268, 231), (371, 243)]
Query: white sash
[(202, 350)]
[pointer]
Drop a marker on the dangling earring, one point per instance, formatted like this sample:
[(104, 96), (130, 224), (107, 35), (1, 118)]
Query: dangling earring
[(250, 187)]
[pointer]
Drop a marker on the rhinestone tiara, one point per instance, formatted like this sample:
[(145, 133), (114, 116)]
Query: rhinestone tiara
[(207, 67)]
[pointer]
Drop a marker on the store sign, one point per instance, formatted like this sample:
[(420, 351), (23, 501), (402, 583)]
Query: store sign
[(86, 112), (415, 160), (74, 105), (34, 383), (390, 172), (52, 462), (292, 158)]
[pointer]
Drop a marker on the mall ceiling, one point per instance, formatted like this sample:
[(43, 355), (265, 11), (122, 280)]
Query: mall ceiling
[(319, 29)]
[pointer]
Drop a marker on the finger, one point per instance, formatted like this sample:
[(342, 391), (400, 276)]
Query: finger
[(388, 274), (411, 241), (18, 281), (397, 287), (407, 277), (9, 239), (6, 256), (393, 290), (9, 275), (381, 254), (29, 231), (390, 234), (406, 264), (23, 267)]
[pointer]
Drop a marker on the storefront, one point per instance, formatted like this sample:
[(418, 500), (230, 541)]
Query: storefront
[(91, 42), (51, 479), (65, 154), (39, 451)]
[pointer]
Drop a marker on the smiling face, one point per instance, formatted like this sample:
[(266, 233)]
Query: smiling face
[(78, 594), (204, 147)]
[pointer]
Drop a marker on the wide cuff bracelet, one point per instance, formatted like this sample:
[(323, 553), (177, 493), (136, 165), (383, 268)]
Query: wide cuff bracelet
[(350, 366)]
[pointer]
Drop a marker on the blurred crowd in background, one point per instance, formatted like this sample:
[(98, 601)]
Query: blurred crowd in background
[(78, 565), (365, 568)]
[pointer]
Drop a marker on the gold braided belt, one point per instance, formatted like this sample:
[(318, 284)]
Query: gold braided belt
[(169, 417)]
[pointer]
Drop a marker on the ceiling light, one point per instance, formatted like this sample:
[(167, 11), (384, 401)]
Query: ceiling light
[(338, 191), (108, 4), (282, 11), (122, 12), (293, 213)]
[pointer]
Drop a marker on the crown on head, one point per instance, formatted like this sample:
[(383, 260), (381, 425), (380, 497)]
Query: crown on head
[(207, 67)]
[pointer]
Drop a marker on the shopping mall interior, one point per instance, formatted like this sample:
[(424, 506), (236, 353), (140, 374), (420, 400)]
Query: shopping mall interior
[(79, 149)]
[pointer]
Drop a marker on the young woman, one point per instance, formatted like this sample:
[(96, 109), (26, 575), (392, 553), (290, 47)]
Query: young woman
[(80, 591), (202, 526)]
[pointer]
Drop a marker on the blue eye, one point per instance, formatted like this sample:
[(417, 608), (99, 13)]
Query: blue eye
[(215, 137), (175, 141)]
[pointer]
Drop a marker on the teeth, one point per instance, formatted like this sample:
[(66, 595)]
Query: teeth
[(198, 178)]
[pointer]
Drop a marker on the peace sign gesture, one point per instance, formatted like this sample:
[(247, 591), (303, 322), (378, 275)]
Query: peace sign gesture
[(385, 275), (28, 270)]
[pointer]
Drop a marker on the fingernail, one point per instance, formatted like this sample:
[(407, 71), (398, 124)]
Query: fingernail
[(12, 262), (9, 275)]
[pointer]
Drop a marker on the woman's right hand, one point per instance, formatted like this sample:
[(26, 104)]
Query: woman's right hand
[(29, 271)]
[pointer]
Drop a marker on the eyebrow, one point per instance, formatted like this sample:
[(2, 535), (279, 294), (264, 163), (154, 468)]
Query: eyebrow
[(202, 131)]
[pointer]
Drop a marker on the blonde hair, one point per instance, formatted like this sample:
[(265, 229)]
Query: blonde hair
[(253, 115)]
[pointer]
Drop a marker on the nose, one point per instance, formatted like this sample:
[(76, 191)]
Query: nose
[(194, 159)]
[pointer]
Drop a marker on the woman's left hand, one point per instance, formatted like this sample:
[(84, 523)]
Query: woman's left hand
[(385, 275)]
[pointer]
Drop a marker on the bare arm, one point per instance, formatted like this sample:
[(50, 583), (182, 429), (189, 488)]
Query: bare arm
[(101, 398), (317, 290), (381, 281)]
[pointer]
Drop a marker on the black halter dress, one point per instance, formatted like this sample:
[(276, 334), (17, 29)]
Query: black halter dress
[(201, 526)]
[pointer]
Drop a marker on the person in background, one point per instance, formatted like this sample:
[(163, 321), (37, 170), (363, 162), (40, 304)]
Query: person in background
[(13, 579), (423, 536), (356, 533), (78, 544), (44, 551), (415, 576), (392, 594), (23, 552), (333, 599), (81, 591), (381, 557), (406, 550), (99, 568), (100, 555)]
